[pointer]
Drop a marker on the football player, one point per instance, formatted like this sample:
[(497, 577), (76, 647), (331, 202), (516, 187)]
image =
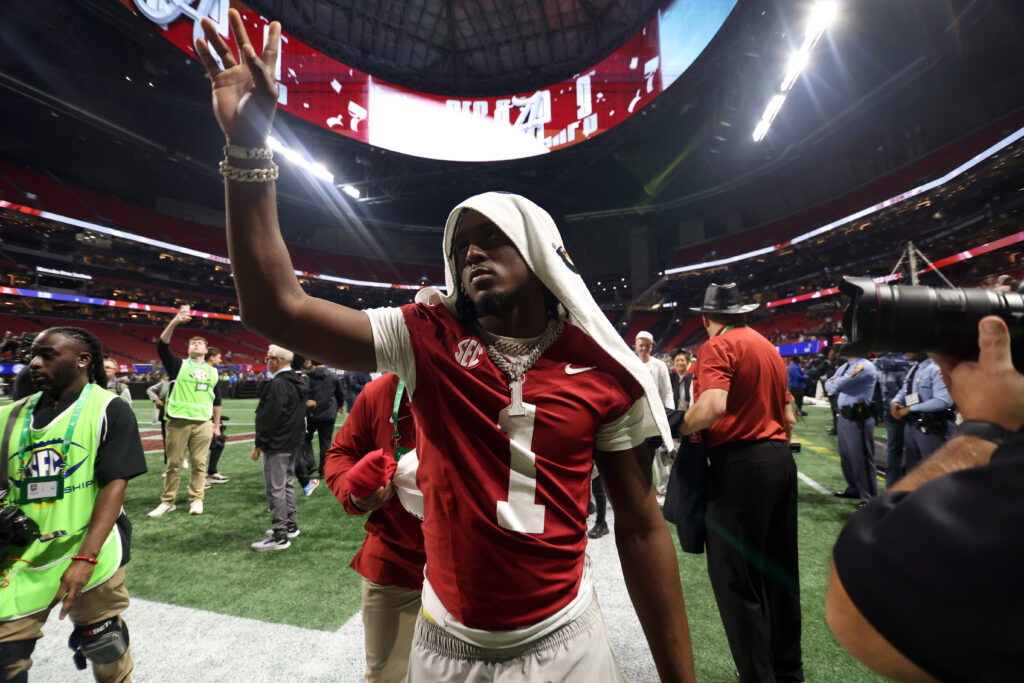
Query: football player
[(519, 384)]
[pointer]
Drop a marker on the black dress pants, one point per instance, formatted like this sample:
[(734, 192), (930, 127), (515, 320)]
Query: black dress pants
[(324, 430), (752, 557)]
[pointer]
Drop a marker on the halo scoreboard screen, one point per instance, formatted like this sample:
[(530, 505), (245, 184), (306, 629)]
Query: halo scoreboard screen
[(349, 102)]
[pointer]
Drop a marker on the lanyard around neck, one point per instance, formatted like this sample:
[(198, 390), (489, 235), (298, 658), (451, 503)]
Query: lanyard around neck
[(727, 328), (26, 426), (399, 450)]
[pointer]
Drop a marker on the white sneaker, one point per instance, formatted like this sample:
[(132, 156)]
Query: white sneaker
[(291, 534), (160, 509), (195, 507), (270, 544), (217, 478), (184, 465)]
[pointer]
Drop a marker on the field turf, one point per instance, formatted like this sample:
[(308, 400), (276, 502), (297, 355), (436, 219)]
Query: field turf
[(205, 561)]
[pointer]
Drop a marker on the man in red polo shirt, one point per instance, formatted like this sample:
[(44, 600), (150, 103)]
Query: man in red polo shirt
[(391, 558), (740, 384)]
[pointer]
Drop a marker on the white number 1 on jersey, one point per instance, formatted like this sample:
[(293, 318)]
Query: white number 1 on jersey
[(521, 512)]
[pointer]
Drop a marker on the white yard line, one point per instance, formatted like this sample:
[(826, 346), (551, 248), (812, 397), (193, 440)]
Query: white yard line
[(160, 450), (813, 484), (165, 644)]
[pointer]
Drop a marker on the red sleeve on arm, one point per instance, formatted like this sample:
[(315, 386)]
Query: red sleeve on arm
[(715, 366), (354, 440), (369, 474)]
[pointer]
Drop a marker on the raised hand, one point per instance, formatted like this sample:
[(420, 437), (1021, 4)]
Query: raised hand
[(244, 95)]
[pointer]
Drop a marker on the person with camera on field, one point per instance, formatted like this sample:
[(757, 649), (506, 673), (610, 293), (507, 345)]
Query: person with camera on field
[(947, 539), (69, 451)]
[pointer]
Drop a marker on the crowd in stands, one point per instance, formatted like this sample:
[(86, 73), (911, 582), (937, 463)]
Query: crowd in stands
[(979, 207)]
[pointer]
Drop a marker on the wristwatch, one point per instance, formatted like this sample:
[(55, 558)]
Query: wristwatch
[(989, 431)]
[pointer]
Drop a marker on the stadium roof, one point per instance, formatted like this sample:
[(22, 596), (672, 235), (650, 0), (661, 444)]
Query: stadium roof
[(92, 94)]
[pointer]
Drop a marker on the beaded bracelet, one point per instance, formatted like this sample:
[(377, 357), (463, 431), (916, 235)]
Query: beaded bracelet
[(239, 152), (86, 558), (249, 175)]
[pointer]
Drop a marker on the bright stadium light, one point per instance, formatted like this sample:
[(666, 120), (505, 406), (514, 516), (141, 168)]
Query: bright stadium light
[(796, 64), (315, 168), (774, 105), (761, 130), (822, 15), (351, 191)]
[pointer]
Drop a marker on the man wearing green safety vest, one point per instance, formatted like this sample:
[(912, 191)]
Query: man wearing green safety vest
[(68, 452), (193, 399)]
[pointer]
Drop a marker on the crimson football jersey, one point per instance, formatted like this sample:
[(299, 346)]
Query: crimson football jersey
[(505, 498)]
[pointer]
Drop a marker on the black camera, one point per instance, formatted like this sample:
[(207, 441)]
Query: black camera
[(883, 317), (15, 529), (218, 442)]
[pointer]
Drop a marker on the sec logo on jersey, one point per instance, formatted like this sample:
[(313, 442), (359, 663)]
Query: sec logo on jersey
[(468, 352)]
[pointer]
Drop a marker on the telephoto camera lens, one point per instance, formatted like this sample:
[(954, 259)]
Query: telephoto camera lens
[(883, 317)]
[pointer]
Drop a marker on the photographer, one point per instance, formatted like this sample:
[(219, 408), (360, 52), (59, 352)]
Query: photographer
[(70, 449), (947, 538)]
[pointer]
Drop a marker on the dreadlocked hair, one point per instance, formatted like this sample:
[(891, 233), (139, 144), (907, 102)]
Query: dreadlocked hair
[(92, 346)]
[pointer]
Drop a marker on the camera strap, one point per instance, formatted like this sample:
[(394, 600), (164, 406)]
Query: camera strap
[(5, 455)]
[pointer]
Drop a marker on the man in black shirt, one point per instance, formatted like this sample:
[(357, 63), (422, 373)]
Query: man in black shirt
[(280, 427), (926, 580), (326, 390), (70, 450)]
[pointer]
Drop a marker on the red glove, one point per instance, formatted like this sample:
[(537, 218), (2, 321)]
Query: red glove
[(370, 473)]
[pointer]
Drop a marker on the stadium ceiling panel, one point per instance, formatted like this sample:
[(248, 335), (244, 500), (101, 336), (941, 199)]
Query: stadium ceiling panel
[(464, 48), (91, 93), (547, 116)]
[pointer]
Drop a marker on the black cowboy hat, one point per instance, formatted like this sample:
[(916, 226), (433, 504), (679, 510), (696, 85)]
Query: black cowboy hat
[(724, 299)]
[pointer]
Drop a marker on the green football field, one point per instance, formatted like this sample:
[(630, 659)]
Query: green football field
[(204, 562), (215, 549)]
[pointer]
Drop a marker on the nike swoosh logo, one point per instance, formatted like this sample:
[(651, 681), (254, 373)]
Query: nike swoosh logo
[(570, 370)]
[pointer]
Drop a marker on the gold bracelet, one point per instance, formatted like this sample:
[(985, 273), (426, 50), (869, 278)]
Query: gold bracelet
[(239, 152), (249, 175)]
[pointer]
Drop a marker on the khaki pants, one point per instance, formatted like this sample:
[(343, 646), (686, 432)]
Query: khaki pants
[(194, 436), (389, 615), (579, 652), (109, 599)]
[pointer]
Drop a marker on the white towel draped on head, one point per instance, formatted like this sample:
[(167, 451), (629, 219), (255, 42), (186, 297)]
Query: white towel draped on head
[(534, 234)]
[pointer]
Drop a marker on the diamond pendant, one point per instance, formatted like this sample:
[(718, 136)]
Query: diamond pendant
[(516, 407)]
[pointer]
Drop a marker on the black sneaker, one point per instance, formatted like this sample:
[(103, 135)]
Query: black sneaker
[(600, 529), (292, 533), (845, 494)]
